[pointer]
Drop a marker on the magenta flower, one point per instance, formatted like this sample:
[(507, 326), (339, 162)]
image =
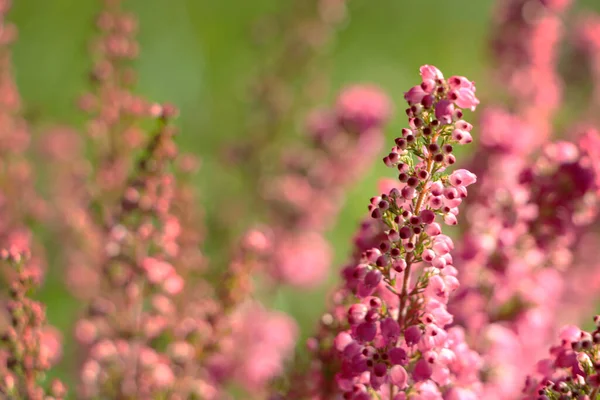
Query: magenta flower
[(363, 107), (464, 97), (302, 260), (429, 72), (415, 95)]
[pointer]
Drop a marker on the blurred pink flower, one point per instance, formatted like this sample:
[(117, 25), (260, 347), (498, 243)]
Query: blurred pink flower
[(303, 260)]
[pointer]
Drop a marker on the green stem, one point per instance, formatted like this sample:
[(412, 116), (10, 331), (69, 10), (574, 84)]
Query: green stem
[(403, 295), (410, 258)]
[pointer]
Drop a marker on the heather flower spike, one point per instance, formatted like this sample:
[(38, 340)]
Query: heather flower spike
[(28, 347), (305, 197), (138, 335), (572, 371), (390, 318)]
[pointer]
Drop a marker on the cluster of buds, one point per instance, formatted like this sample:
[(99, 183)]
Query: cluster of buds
[(563, 187), (572, 371), (391, 313), (28, 346)]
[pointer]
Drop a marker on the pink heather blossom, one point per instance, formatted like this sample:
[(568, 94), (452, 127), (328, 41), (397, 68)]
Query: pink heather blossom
[(163, 375), (521, 225), (173, 284), (464, 97), (462, 177), (429, 72), (156, 270), (444, 110), (363, 107), (415, 95), (570, 333), (303, 261), (503, 131), (256, 348)]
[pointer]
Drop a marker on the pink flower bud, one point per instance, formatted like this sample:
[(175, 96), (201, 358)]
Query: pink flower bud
[(463, 137), (393, 236), (427, 216), (438, 262), (570, 333), (435, 202), (342, 340), (399, 265), (390, 330), (463, 125), (444, 111), (462, 177), (415, 95), (450, 219), (428, 255), (436, 188), (428, 85), (357, 313), (412, 335), (430, 72), (398, 376), (398, 356), (433, 229), (422, 370), (380, 370), (366, 331), (408, 192), (464, 97)]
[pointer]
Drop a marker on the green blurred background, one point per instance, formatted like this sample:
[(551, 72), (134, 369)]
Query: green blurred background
[(198, 55)]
